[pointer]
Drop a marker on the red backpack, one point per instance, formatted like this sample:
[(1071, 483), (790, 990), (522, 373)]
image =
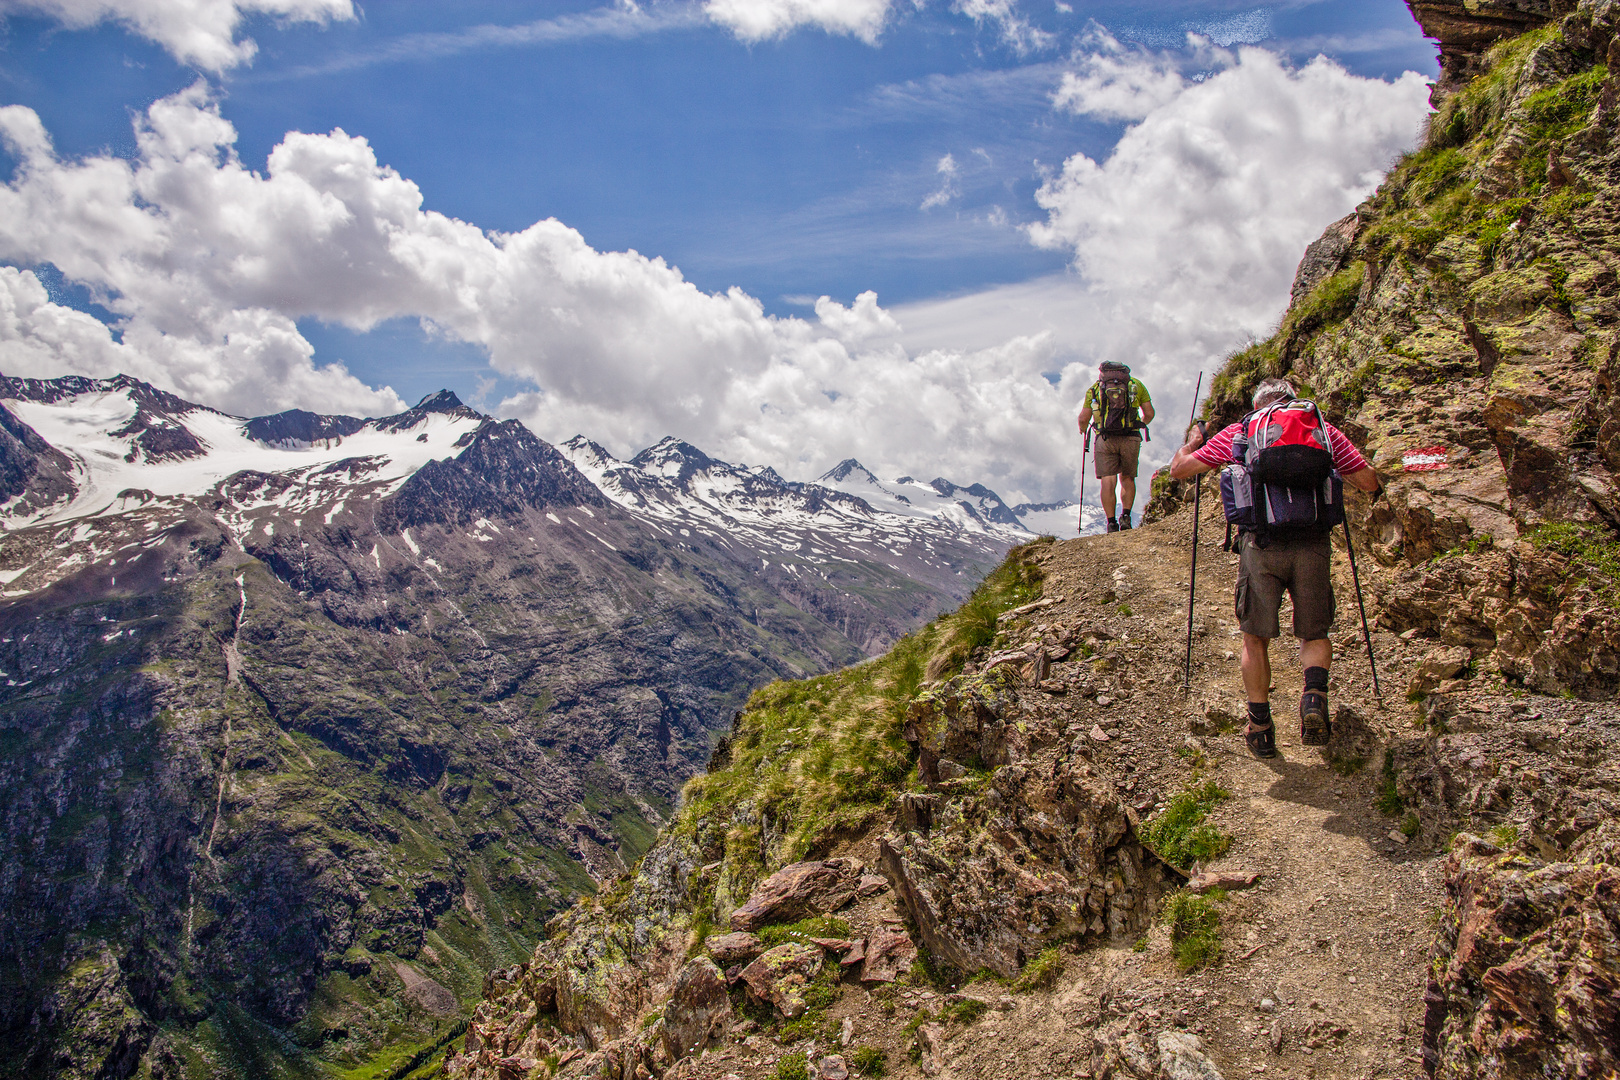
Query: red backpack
[(1283, 482)]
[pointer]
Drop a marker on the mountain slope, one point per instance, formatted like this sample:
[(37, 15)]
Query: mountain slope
[(311, 721)]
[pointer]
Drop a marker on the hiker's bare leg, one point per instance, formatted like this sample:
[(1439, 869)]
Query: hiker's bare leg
[(1318, 653), (1127, 492), (1257, 668), (1108, 495)]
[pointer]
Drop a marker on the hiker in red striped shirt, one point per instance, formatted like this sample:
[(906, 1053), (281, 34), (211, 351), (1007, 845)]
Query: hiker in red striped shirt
[(1272, 561)]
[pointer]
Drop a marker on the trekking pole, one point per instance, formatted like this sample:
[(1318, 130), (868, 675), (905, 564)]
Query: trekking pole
[(1365, 633), (1082, 510), (1192, 578)]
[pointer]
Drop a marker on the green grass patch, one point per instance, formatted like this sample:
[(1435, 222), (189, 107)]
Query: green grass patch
[(965, 1011), (1505, 835), (1195, 930), (793, 1066), (1388, 801), (869, 1061), (1181, 835), (1410, 825), (818, 926), (1592, 550), (816, 759), (1041, 972)]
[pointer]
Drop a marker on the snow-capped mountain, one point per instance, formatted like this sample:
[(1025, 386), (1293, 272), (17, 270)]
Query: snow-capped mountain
[(918, 530), (222, 637)]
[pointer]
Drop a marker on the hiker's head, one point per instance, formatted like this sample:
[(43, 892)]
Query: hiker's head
[(1271, 391)]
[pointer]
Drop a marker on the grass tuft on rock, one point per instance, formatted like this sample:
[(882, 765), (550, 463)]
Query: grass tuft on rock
[(1195, 930), (869, 1061), (1182, 835), (1042, 972), (793, 1066)]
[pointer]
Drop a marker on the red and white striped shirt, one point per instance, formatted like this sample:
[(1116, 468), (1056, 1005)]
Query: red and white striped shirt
[(1217, 449)]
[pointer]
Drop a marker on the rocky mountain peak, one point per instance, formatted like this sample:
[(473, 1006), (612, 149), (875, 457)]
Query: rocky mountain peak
[(673, 458), (440, 403), (846, 469), (295, 427)]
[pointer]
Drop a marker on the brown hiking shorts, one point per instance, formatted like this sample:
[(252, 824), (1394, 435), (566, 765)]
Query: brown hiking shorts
[(1116, 455), (1300, 567)]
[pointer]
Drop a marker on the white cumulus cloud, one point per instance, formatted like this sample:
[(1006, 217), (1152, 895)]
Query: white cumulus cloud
[(759, 20), (1188, 235), (207, 265), (861, 321), (199, 32), (1116, 82)]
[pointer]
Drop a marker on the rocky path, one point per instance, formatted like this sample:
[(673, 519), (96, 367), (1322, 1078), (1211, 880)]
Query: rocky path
[(1323, 967), (1323, 964)]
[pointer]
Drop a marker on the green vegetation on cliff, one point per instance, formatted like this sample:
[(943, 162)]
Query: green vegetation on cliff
[(815, 759)]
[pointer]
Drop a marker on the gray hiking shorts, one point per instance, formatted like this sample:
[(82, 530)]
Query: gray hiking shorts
[(1302, 568), (1116, 455)]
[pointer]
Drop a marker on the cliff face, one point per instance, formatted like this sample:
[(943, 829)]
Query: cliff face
[(1461, 327)]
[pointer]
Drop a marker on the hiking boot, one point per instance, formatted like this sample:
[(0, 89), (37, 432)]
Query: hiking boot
[(1261, 741), (1113, 525), (1124, 521), (1315, 729)]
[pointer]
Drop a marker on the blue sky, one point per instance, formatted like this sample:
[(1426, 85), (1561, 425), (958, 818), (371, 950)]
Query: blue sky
[(822, 155)]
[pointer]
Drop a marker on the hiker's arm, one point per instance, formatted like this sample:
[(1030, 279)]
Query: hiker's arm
[(1147, 413), (1363, 479), (1085, 417), (1185, 466)]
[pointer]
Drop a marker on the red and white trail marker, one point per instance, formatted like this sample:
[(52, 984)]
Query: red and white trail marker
[(1424, 459)]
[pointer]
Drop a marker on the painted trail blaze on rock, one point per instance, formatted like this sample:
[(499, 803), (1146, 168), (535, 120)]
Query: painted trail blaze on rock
[(1424, 459)]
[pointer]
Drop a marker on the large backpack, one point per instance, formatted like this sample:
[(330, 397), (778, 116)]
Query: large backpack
[(1118, 413), (1283, 484)]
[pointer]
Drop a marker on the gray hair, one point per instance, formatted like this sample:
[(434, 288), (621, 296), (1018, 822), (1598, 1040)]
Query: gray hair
[(1271, 390)]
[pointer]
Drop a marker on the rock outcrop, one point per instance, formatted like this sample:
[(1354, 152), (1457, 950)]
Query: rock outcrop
[(1525, 979), (1025, 845)]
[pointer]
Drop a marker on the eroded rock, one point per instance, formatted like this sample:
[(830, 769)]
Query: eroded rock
[(1526, 968), (698, 1010), (780, 976), (796, 891)]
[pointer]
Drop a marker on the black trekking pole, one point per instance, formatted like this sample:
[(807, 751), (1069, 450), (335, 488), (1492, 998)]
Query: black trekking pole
[(1192, 578), (1082, 510), (1365, 633)]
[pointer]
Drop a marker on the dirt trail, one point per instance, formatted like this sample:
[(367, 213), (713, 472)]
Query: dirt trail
[(1323, 969), (1325, 956)]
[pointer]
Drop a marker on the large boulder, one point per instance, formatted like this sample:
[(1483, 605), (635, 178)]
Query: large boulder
[(797, 891), (781, 975), (698, 1011)]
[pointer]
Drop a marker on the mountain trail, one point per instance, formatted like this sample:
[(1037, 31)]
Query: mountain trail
[(1323, 959)]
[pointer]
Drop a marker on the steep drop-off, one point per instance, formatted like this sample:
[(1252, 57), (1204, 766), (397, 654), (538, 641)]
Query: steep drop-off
[(292, 759)]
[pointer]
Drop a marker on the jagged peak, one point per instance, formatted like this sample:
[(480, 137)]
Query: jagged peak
[(847, 468), (670, 450), (439, 401)]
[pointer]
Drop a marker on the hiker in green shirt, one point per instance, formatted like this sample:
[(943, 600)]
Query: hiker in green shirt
[(1123, 411)]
